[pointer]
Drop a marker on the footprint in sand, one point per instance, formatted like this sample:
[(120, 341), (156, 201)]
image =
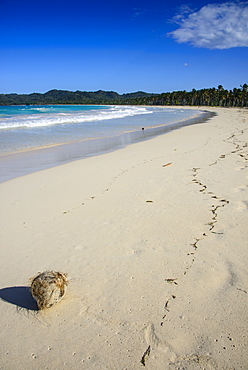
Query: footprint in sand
[(156, 344), (194, 362)]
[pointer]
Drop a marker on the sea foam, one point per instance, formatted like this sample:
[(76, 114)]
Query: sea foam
[(61, 118)]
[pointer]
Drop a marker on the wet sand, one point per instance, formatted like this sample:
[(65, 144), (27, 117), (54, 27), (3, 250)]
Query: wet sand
[(21, 163)]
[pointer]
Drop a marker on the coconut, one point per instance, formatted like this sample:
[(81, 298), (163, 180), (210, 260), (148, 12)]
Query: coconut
[(48, 288)]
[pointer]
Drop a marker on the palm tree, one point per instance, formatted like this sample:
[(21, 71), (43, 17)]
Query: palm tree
[(244, 94)]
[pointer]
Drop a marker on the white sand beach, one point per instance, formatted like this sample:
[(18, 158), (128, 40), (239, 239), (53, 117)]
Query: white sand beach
[(153, 238)]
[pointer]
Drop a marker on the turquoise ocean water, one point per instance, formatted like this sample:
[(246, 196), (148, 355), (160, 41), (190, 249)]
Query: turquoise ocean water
[(70, 132)]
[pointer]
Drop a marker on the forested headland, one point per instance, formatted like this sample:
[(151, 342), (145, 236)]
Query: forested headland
[(238, 97)]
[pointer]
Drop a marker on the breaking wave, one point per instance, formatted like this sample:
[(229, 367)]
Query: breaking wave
[(44, 119)]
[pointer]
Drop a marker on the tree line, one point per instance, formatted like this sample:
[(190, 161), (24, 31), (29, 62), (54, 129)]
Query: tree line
[(238, 97)]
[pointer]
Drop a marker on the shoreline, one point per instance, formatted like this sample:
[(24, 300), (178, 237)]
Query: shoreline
[(20, 163), (153, 237)]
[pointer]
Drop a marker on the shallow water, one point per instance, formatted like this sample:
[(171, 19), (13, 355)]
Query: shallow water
[(28, 127), (60, 134)]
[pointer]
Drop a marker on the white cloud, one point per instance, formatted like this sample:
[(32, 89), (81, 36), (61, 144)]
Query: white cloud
[(215, 26), (184, 11)]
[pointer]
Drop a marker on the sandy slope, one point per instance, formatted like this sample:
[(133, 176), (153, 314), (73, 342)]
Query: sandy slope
[(154, 240)]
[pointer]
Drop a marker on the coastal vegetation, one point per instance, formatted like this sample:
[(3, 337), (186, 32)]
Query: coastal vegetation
[(238, 97)]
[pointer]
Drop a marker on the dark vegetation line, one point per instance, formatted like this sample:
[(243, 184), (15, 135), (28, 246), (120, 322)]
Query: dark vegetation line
[(238, 97)]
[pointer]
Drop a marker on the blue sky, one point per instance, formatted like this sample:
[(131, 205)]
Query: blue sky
[(123, 46)]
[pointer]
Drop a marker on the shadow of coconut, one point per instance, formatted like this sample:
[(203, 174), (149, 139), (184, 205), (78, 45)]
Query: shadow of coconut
[(19, 296)]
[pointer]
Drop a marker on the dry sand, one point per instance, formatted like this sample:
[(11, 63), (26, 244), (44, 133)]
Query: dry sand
[(154, 240)]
